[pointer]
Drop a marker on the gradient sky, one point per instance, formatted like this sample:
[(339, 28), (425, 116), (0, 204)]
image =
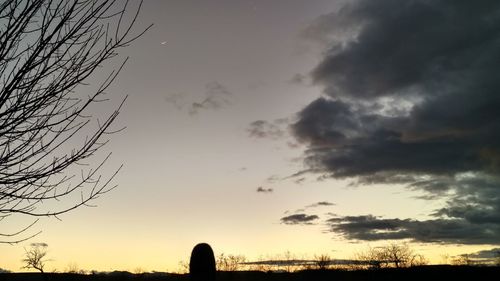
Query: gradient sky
[(305, 126)]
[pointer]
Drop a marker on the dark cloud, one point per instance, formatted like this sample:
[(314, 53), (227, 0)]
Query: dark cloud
[(456, 231), (346, 142), (471, 215), (266, 129), (299, 219), (320, 204), (484, 257), (476, 199), (261, 189), (216, 96), (411, 97), (392, 46), (486, 254)]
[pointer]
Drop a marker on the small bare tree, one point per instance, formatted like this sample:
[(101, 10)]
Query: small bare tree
[(322, 262), (464, 259), (48, 51), (287, 261), (183, 267), (35, 257), (229, 262)]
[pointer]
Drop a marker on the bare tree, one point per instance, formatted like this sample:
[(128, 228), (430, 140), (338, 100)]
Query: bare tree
[(399, 255), (48, 52), (287, 261), (35, 257), (391, 255), (72, 267), (322, 262), (183, 267), (370, 257), (229, 262), (464, 259)]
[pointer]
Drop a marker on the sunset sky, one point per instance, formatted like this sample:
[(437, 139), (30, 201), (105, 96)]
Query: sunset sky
[(315, 127)]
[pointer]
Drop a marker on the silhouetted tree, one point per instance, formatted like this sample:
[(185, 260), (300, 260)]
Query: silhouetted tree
[(322, 261), (48, 51), (288, 261), (392, 255), (35, 256), (202, 263), (464, 259), (73, 268), (229, 262), (183, 267)]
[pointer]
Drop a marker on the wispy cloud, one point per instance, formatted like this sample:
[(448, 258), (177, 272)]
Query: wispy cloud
[(273, 179), (320, 204), (176, 100), (302, 219), (261, 189), (215, 97), (299, 79), (262, 129)]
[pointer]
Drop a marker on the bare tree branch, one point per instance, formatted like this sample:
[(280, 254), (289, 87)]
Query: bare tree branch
[(48, 50), (35, 256)]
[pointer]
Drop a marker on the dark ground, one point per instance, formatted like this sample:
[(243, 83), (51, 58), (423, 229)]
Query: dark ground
[(425, 273)]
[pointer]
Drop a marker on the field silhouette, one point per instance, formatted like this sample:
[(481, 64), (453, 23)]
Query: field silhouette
[(431, 272)]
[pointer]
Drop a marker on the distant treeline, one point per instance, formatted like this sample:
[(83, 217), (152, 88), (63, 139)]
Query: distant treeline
[(430, 272)]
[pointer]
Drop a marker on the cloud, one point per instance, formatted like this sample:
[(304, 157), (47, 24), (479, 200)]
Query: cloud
[(271, 130), (486, 254), (484, 257), (320, 204), (471, 215), (411, 97), (299, 180), (299, 219), (456, 231), (299, 79), (217, 96), (261, 189), (176, 99), (273, 179), (476, 199)]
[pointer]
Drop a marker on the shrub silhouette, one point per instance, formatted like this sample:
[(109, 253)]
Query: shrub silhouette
[(202, 263)]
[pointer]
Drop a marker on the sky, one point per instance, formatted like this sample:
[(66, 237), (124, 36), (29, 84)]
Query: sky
[(315, 127)]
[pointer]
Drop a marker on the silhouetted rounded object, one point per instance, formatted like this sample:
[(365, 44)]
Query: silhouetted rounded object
[(202, 263)]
